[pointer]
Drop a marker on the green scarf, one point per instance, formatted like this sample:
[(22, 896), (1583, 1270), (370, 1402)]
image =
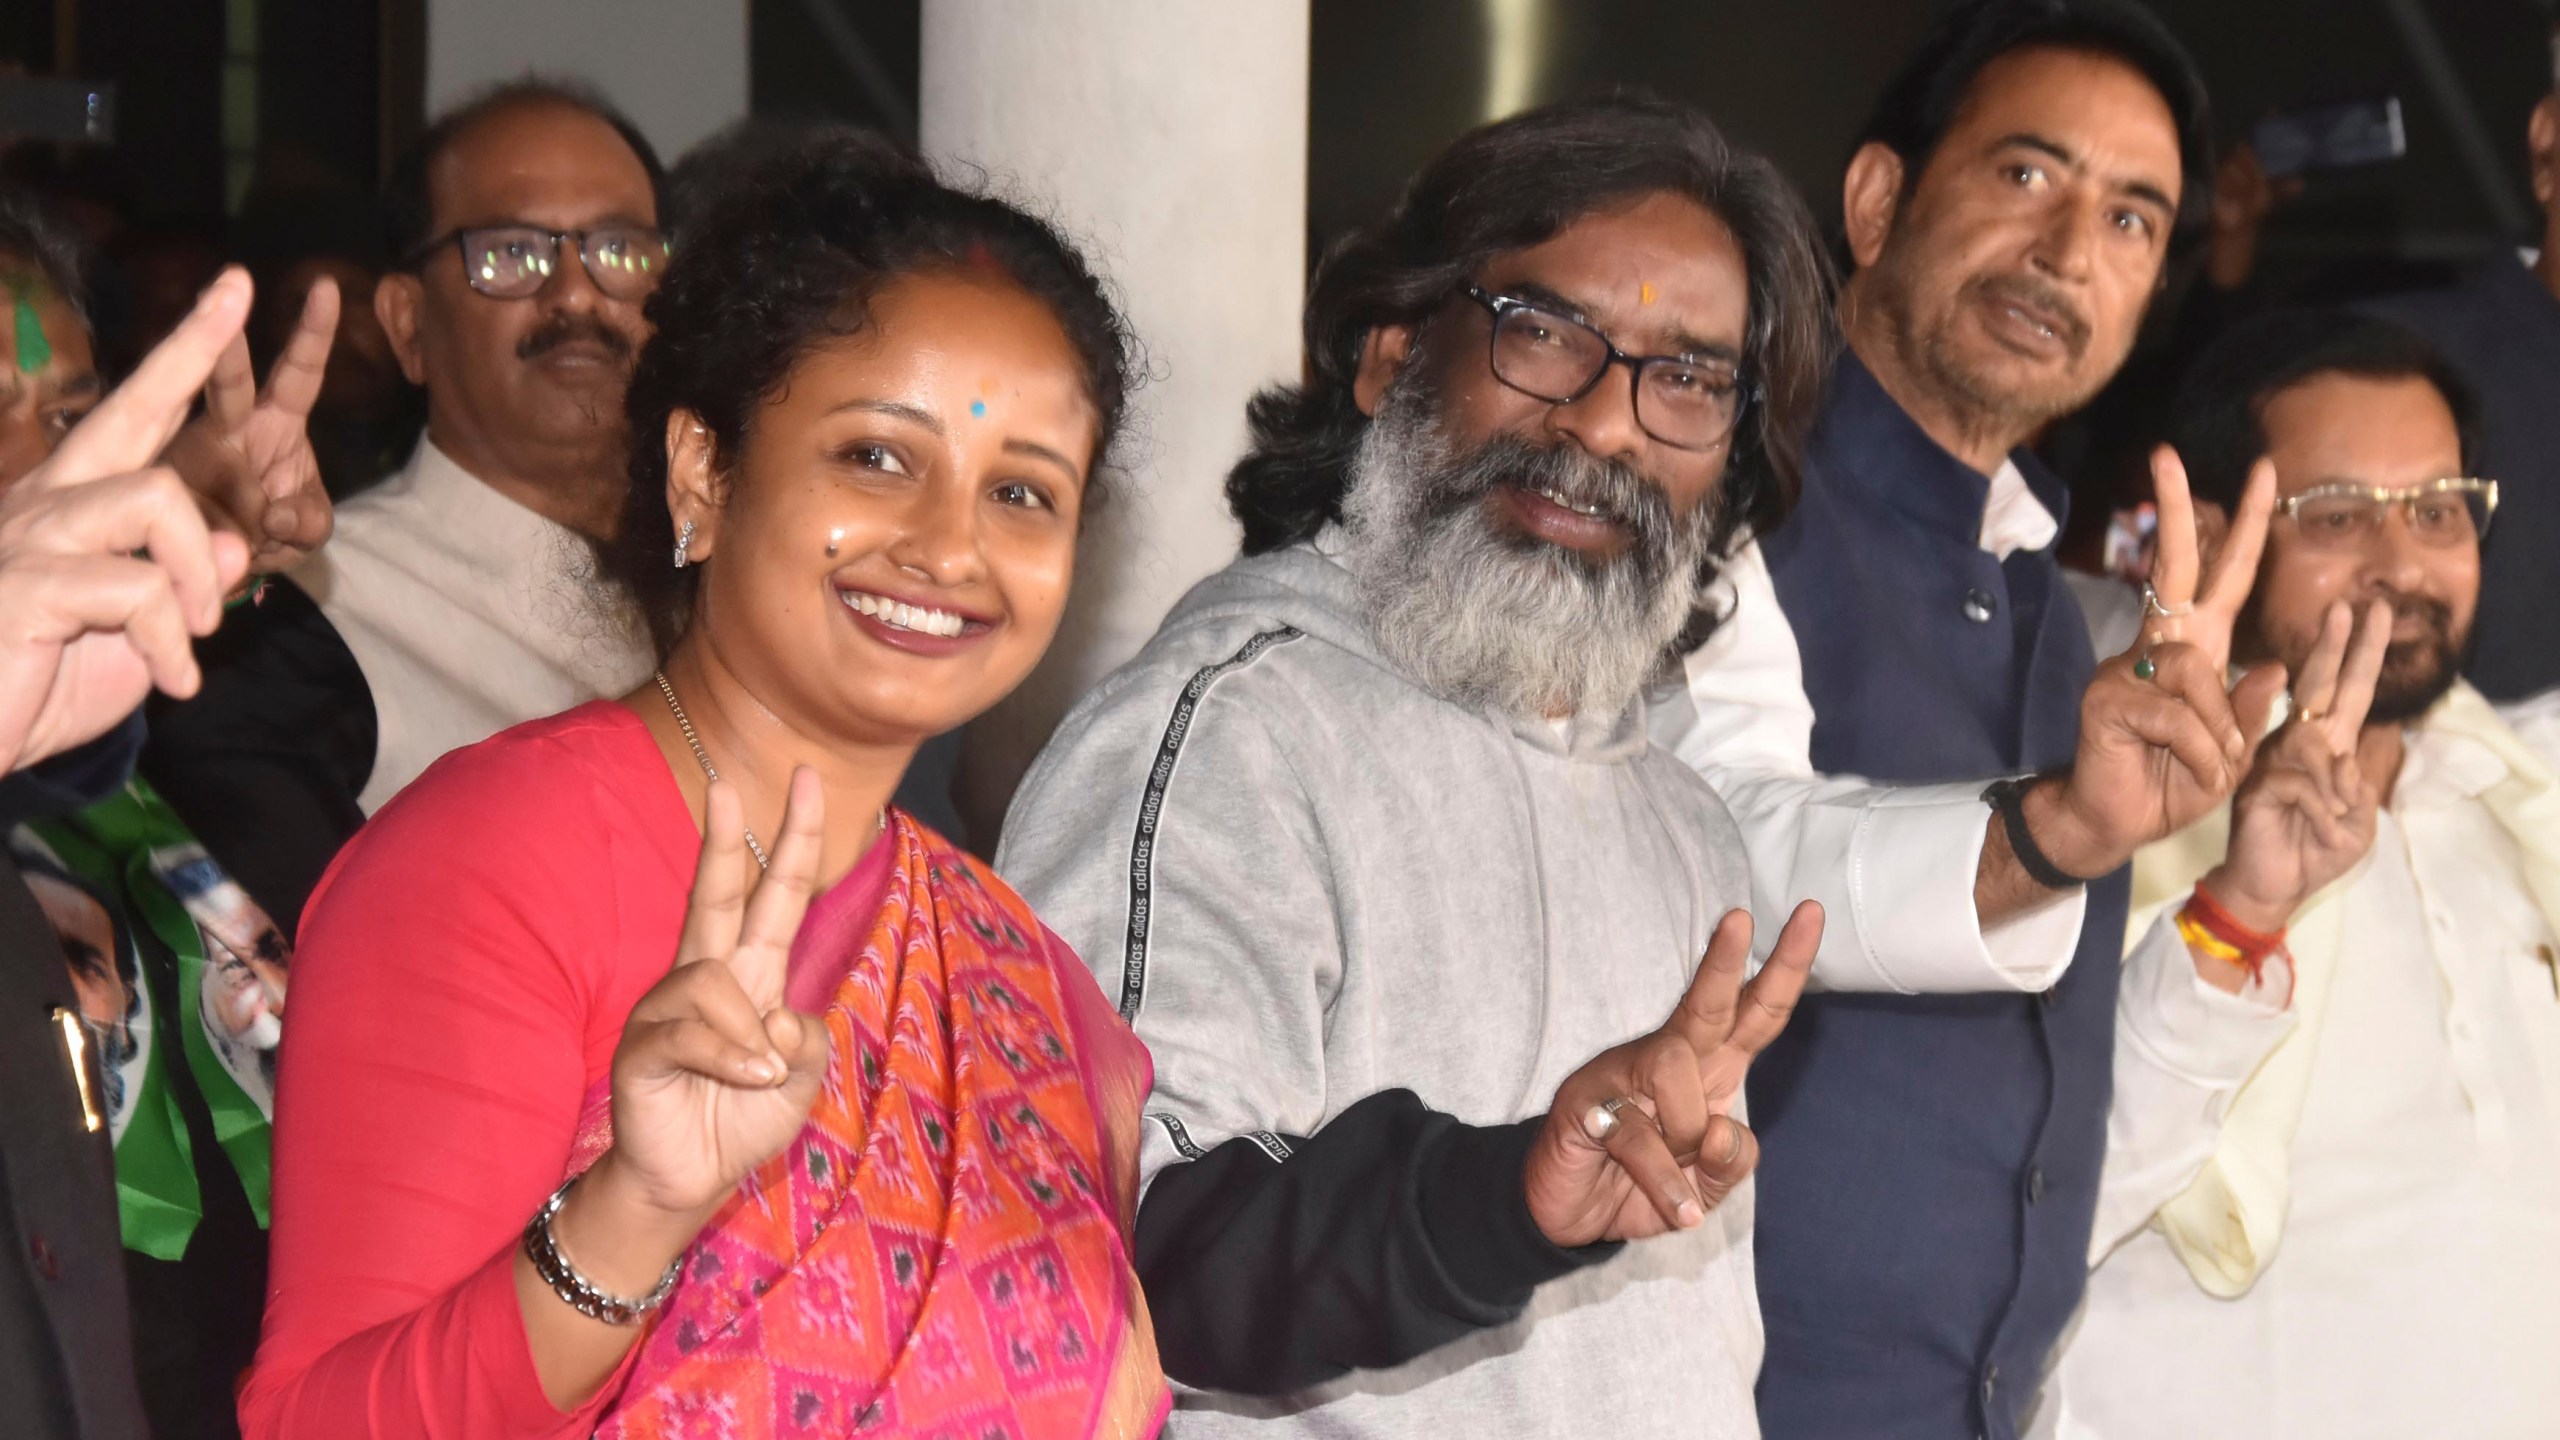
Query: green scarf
[(137, 860)]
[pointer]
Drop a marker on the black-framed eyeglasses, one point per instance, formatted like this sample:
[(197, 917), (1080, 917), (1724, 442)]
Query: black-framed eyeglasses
[(511, 262), (2343, 515), (1684, 401)]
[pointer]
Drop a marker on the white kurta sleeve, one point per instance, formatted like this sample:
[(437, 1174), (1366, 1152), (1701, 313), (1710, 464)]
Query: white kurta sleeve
[(2183, 1049), (1892, 865)]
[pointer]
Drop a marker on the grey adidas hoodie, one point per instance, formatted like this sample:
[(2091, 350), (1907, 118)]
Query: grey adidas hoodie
[(1366, 933)]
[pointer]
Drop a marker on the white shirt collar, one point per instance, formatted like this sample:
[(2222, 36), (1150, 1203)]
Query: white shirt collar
[(2013, 519)]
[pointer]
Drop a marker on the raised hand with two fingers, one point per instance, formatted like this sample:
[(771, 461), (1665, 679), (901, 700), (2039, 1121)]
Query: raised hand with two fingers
[(107, 568), (2306, 813), (1642, 1140), (715, 1073), (248, 457), (2164, 734)]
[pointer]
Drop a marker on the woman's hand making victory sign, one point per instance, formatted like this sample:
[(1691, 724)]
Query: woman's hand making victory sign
[(715, 1074)]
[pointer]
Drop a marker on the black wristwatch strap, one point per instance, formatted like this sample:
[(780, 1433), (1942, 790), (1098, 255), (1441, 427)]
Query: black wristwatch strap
[(2008, 800)]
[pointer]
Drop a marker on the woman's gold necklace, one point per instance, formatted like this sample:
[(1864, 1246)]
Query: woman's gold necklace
[(684, 723)]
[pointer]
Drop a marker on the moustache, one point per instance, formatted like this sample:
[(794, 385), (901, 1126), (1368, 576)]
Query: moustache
[(1613, 491), (2434, 614), (2416, 673), (2041, 300), (570, 329)]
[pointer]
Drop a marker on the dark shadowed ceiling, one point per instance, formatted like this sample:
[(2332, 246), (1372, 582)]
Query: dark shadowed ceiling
[(1393, 79)]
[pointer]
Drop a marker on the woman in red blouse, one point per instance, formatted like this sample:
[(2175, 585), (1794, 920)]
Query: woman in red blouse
[(862, 1161)]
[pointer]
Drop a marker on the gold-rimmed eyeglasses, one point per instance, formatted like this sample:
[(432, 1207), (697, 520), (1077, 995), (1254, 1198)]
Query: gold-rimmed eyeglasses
[(2343, 515)]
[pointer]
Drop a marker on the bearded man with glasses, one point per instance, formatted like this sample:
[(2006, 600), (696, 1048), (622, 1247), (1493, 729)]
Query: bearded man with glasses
[(451, 603), (2332, 1194), (1438, 956)]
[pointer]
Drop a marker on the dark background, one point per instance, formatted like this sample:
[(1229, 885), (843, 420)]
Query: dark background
[(258, 130), (323, 90), (1794, 81), (1392, 81)]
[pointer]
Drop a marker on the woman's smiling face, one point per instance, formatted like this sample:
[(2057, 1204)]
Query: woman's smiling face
[(890, 549)]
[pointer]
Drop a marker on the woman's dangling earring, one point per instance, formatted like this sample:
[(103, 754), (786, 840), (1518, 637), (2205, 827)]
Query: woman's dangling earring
[(684, 540)]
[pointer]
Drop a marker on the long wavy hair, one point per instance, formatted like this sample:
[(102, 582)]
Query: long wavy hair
[(1505, 187)]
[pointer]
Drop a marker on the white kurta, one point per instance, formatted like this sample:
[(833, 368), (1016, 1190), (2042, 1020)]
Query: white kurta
[(2416, 1291), (467, 612)]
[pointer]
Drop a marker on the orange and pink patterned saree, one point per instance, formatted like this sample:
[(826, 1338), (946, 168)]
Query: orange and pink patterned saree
[(944, 1249)]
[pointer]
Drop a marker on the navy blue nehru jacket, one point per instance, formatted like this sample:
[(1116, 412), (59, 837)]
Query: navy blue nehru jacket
[(1929, 1163)]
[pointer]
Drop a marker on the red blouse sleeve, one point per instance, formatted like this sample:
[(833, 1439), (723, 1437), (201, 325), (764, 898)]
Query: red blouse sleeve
[(462, 978)]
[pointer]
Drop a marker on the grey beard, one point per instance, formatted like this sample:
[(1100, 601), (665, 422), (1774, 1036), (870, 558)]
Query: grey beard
[(1486, 618)]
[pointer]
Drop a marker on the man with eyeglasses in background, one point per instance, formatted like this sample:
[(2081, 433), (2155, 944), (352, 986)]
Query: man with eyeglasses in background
[(453, 601), (2332, 1193)]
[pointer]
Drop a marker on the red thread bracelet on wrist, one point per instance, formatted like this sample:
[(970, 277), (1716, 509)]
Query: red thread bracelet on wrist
[(2254, 946)]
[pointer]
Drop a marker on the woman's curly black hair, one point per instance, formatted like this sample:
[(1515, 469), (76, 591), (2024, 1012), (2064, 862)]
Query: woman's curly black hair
[(1511, 185), (786, 258)]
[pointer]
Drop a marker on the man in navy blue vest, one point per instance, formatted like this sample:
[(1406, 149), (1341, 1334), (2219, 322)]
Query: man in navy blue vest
[(1932, 1129)]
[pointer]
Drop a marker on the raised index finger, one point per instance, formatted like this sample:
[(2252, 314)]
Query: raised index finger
[(129, 427), (2316, 689), (2356, 683), (295, 382), (763, 956), (233, 391), (2235, 569), (2173, 561), (1704, 1016), (719, 900), (1771, 996)]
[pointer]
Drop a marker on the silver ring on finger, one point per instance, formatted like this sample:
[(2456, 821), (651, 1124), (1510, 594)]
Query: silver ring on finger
[(2152, 604), (1601, 1120)]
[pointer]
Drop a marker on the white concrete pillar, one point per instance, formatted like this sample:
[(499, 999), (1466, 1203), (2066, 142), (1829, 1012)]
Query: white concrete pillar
[(1169, 138), (678, 68)]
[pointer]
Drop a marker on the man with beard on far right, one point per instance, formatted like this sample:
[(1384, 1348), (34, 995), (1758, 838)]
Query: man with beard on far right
[(2332, 1196), (452, 602)]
